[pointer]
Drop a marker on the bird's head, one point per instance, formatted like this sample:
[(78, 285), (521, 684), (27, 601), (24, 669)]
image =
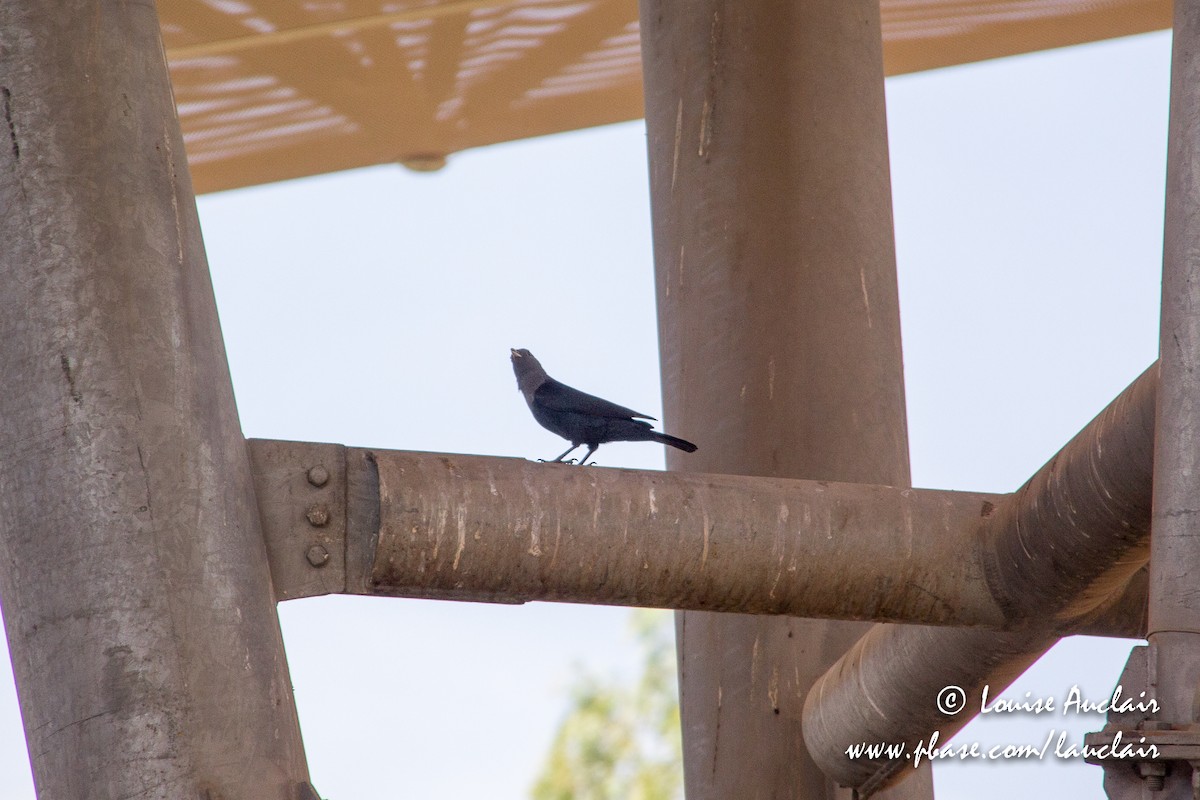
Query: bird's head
[(528, 370)]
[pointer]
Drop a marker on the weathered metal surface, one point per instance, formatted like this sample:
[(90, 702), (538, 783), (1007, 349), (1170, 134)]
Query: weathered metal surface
[(626, 537), (1175, 556), (301, 490), (135, 584), (500, 529), (1174, 603), (1143, 751), (779, 326), (1057, 551), (1123, 781), (1123, 617), (362, 522), (1078, 530)]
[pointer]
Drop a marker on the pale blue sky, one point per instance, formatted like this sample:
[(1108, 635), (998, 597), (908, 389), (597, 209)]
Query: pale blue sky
[(376, 307)]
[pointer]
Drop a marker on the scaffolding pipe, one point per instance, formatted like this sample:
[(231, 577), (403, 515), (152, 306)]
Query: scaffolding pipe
[(136, 592), (1168, 669), (1175, 556), (1174, 604), (482, 528), (779, 325), (1056, 553), (499, 529)]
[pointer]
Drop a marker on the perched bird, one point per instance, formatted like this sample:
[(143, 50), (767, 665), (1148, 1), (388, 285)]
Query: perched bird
[(582, 418)]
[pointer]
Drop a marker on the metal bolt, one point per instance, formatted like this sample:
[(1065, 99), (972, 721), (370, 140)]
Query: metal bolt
[(1154, 773), (318, 515), (318, 476), (317, 555)]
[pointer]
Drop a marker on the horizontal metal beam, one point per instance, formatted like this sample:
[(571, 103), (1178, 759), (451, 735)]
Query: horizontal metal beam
[(475, 528), (429, 525)]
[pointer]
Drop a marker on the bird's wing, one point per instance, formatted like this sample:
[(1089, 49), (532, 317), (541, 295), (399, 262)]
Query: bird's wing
[(556, 396)]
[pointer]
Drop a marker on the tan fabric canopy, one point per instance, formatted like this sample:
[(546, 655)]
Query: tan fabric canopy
[(276, 89)]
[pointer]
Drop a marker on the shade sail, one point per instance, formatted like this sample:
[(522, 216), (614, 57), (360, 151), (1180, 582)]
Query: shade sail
[(275, 89)]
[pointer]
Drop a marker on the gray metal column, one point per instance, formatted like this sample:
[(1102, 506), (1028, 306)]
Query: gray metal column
[(1174, 603), (778, 324), (1175, 550), (1165, 761), (136, 592)]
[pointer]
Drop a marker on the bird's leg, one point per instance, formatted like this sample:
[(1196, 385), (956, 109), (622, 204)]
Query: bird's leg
[(591, 449), (564, 452)]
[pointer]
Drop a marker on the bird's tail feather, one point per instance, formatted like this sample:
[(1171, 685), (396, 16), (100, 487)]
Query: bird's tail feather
[(675, 441)]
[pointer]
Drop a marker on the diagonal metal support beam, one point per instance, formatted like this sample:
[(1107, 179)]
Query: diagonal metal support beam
[(1056, 552)]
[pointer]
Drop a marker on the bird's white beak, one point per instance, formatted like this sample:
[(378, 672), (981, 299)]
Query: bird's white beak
[(514, 352)]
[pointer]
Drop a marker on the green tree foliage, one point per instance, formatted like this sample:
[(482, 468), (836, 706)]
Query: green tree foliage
[(620, 741)]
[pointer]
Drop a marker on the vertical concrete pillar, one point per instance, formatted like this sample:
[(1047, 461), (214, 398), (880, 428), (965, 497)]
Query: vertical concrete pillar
[(778, 321), (133, 574)]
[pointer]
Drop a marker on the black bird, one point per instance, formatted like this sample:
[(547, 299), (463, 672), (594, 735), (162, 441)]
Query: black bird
[(582, 418)]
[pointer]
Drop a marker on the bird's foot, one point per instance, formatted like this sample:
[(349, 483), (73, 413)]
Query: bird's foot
[(587, 464), (556, 461)]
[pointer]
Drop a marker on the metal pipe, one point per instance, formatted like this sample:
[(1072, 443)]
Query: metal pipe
[(1175, 555), (1124, 617), (778, 323), (1172, 660), (1056, 554), (137, 598), (377, 522), (500, 529), (1077, 531), (1168, 669)]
